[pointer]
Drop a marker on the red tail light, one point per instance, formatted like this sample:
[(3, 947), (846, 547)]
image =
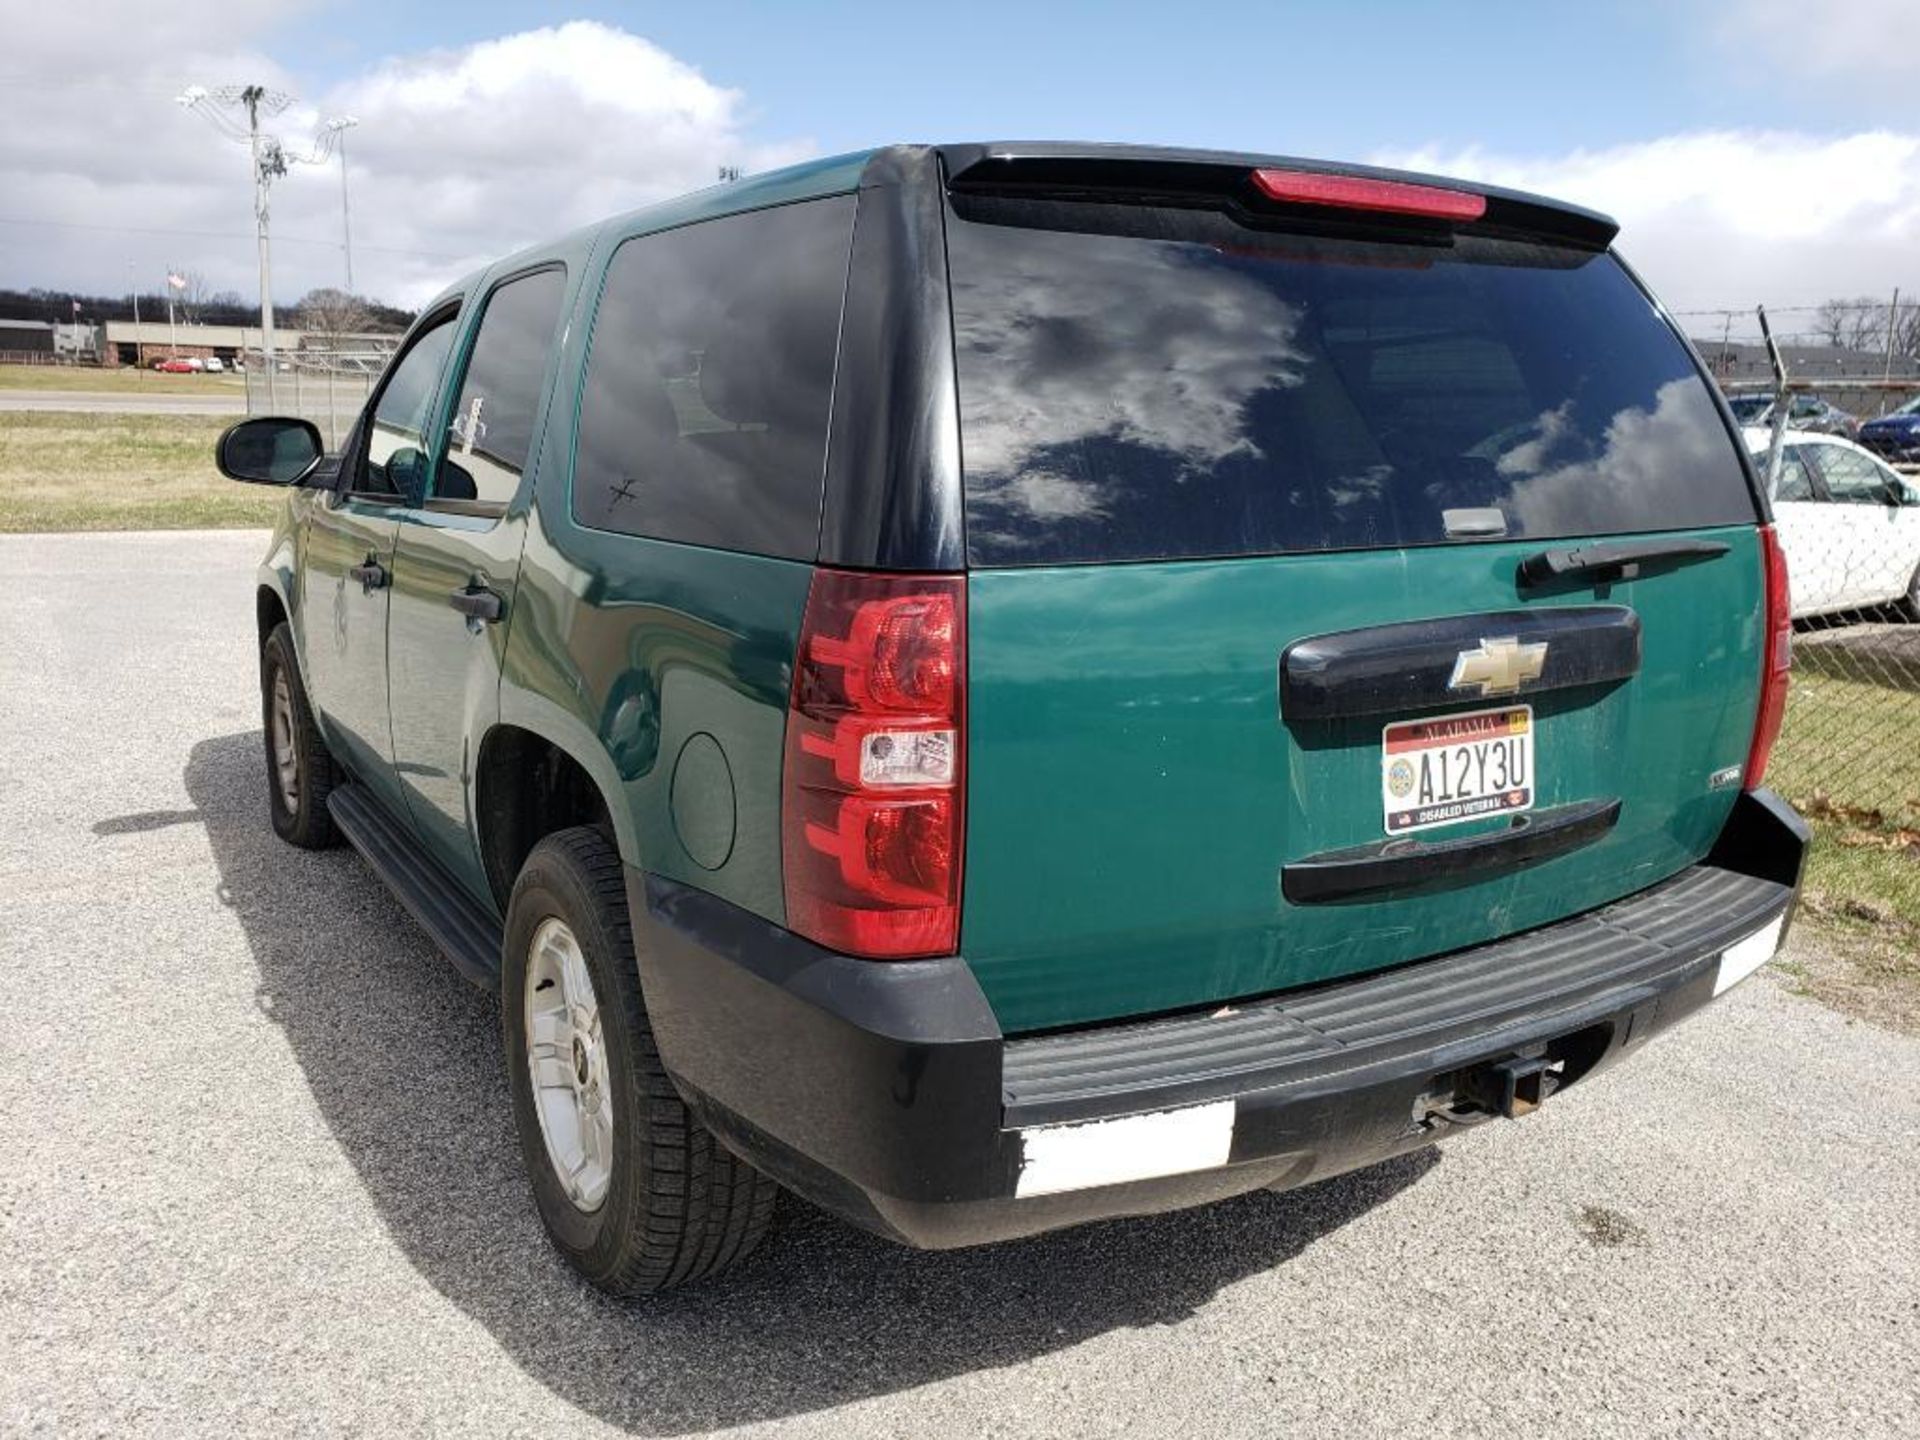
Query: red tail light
[(1356, 192), (1778, 659), (871, 809)]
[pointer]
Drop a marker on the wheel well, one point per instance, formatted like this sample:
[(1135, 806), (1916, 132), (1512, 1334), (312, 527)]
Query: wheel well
[(525, 788), (268, 612)]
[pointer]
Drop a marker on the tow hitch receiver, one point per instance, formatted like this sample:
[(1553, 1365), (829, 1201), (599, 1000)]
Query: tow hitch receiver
[(1513, 1087)]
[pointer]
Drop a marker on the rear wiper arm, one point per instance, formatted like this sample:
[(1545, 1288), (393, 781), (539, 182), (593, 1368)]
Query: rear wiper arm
[(1612, 559)]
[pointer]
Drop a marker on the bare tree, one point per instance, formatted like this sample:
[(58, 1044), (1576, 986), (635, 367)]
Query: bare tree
[(192, 300), (1856, 324), (1830, 320), (332, 315)]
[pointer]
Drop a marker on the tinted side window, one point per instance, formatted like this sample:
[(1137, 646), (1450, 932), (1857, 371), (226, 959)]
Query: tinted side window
[(704, 415), (491, 430), (401, 414)]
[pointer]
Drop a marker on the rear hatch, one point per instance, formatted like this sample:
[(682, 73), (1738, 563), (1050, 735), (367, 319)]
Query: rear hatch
[(1254, 491)]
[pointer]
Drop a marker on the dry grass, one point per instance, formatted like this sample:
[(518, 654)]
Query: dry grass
[(120, 472), (114, 382), (1849, 759)]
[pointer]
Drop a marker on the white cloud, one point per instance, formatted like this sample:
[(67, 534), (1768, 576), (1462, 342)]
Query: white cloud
[(1839, 40), (460, 155), (477, 150), (1726, 218)]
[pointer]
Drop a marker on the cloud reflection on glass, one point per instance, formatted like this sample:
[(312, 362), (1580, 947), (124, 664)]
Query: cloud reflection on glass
[(1136, 396)]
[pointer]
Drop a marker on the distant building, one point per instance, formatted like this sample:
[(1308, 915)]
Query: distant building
[(1742, 364), (26, 339), (153, 340), (43, 341), (1836, 375)]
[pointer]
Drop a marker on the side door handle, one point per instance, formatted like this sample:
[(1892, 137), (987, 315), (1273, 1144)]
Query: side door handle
[(478, 603), (372, 575)]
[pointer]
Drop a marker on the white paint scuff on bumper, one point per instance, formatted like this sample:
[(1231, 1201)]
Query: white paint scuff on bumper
[(1135, 1147), (1743, 957)]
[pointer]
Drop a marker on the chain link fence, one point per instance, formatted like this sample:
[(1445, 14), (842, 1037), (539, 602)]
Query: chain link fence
[(1849, 753), (327, 388)]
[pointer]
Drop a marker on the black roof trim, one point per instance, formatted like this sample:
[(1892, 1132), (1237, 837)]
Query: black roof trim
[(1189, 177)]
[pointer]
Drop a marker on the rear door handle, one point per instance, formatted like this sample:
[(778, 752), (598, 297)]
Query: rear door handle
[(478, 604), (372, 575)]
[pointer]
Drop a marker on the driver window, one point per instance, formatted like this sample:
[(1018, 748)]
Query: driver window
[(397, 434), (1852, 479)]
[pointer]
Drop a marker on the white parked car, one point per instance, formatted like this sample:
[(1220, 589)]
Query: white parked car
[(1849, 523), (214, 367)]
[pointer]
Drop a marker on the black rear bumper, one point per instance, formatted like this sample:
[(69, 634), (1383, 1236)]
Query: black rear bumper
[(886, 1093)]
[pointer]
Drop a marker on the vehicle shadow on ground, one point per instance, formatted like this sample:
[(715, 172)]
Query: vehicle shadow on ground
[(403, 1060)]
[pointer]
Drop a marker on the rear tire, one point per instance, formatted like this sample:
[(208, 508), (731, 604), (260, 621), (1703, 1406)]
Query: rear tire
[(300, 769), (633, 1190), (1909, 608)]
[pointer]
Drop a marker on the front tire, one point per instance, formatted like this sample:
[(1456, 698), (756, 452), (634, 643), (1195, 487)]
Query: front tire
[(300, 768), (633, 1190)]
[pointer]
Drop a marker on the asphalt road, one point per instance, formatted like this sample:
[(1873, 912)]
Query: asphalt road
[(257, 1174), (95, 402)]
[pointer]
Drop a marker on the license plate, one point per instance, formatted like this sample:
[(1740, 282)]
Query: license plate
[(1456, 767)]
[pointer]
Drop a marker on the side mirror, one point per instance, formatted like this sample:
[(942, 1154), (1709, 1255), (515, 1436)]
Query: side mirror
[(456, 482), (407, 475), (269, 451)]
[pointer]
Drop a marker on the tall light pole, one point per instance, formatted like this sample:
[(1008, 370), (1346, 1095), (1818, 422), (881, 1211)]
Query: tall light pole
[(337, 128)]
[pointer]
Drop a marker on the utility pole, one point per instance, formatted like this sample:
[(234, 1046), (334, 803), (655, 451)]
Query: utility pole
[(270, 159), (338, 128), (263, 177), (133, 287)]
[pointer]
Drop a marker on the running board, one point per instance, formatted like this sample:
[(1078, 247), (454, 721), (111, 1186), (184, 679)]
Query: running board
[(465, 933)]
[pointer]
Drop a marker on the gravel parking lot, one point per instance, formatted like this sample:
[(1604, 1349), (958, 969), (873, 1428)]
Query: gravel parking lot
[(259, 1174)]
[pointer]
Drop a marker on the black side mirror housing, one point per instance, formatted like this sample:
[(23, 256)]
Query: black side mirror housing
[(406, 470), (269, 450)]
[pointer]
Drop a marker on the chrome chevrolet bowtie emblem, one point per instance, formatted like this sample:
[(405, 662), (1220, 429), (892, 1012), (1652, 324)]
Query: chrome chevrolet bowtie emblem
[(1498, 667)]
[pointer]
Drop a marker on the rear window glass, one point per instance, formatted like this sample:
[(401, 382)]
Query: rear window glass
[(1142, 384), (709, 380)]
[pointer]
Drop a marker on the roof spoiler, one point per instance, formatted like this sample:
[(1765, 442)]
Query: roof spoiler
[(1142, 175)]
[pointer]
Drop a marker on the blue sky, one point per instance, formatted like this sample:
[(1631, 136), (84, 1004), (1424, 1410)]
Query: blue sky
[(1326, 79), (1753, 149)]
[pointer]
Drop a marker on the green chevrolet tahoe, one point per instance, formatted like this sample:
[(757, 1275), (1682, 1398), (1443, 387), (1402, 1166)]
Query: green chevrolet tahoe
[(996, 686)]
